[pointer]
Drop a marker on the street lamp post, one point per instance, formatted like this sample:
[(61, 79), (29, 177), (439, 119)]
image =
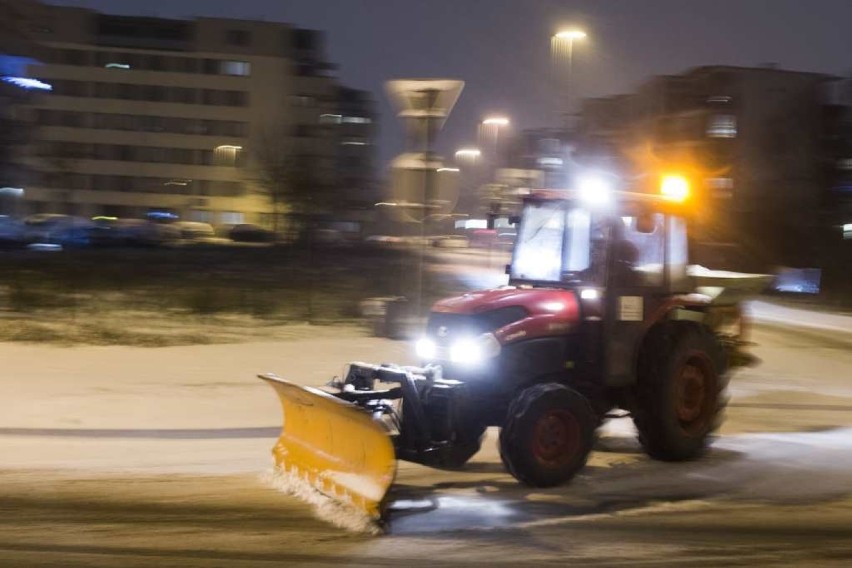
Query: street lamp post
[(468, 155), (425, 105), (492, 125), (562, 47)]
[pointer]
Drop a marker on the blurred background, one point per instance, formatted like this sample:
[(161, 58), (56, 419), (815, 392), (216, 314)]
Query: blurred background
[(147, 150)]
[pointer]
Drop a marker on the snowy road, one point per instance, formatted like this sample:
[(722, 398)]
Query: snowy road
[(116, 456), (154, 457)]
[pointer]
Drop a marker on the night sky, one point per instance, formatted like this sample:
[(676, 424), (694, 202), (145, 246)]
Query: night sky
[(501, 48)]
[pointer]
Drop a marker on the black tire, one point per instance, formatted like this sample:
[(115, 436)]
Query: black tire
[(548, 434), (679, 397)]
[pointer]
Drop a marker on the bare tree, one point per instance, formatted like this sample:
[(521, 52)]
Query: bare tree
[(292, 181)]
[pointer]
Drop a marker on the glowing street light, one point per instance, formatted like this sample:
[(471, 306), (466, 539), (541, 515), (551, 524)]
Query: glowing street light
[(226, 154), (489, 129), (468, 153), (496, 121), (562, 44), (562, 48), (570, 35)]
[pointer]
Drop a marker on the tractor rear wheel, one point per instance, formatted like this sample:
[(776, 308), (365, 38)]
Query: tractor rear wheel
[(548, 434), (679, 397)]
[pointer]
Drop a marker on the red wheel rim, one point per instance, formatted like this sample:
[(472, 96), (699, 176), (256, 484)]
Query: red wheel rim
[(694, 395), (556, 438)]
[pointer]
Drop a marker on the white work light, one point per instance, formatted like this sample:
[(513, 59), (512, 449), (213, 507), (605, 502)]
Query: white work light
[(474, 350), (595, 190), (426, 348)]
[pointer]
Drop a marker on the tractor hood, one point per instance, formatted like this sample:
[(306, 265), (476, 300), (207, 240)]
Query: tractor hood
[(534, 300), (511, 313)]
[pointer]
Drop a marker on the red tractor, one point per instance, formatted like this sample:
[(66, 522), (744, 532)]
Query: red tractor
[(600, 314)]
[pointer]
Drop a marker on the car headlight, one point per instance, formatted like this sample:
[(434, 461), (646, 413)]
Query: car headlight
[(426, 348), (474, 350)]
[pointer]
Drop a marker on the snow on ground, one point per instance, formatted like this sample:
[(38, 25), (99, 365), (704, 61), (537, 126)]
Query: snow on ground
[(766, 312), (124, 413)]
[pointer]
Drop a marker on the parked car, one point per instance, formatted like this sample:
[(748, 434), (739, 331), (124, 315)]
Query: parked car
[(194, 231), (147, 233), (506, 240), (105, 232), (384, 240), (451, 241), (38, 227), (12, 232), (62, 230), (111, 231), (248, 233)]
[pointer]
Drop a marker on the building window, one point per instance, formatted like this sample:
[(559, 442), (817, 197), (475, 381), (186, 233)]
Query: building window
[(75, 57), (330, 119), (721, 187), (305, 39), (232, 218), (549, 146), (185, 65), (719, 99), (303, 100), (182, 95), (155, 93), (236, 68), (210, 67), (236, 98), (722, 126), (226, 189), (201, 216), (71, 88), (238, 37), (155, 63)]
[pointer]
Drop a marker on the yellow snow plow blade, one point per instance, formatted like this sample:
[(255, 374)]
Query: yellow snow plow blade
[(334, 446)]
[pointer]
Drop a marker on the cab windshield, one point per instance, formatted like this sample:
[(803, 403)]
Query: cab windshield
[(554, 243)]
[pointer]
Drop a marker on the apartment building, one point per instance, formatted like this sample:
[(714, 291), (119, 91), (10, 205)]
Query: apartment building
[(147, 116), (15, 50), (755, 141)]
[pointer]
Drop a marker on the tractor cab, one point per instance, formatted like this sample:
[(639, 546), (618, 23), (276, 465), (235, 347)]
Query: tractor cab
[(626, 257), (637, 241)]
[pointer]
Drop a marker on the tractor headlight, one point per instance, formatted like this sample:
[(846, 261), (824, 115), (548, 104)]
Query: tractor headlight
[(426, 348), (474, 350)]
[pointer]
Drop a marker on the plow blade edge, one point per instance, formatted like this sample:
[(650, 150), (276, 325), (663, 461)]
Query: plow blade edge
[(334, 446)]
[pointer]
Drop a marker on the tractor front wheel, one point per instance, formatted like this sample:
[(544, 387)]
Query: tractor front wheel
[(548, 434)]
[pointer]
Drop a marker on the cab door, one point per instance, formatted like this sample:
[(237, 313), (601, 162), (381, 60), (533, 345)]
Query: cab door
[(636, 292)]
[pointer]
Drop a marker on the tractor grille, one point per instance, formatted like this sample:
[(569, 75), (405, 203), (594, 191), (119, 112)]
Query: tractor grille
[(446, 327)]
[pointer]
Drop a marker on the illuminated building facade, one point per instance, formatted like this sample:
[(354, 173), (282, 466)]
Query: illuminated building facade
[(756, 143), (143, 115)]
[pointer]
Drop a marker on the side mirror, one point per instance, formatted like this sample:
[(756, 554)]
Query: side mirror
[(514, 219)]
